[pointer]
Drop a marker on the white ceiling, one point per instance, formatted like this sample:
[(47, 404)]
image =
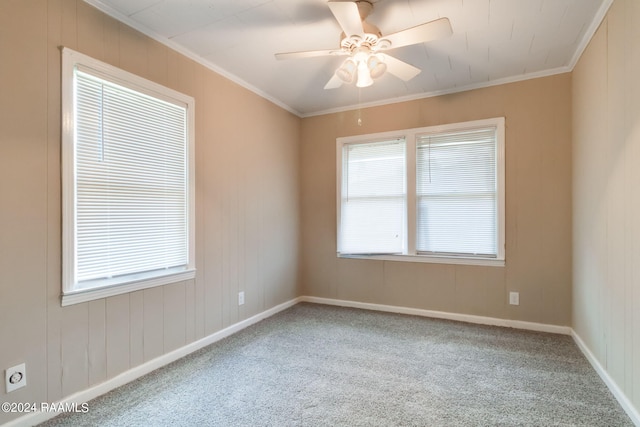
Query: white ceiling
[(493, 42)]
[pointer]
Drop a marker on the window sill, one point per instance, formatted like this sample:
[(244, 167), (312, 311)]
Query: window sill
[(430, 259), (134, 283)]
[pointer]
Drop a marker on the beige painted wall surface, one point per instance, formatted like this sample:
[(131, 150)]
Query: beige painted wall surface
[(606, 183), (538, 208), (246, 207)]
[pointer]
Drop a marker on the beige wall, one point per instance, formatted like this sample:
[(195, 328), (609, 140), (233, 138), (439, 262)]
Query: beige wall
[(606, 189), (538, 208), (263, 174), (246, 203)]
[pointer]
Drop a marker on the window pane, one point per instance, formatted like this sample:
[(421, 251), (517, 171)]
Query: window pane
[(131, 181), (373, 198), (457, 225), (457, 193)]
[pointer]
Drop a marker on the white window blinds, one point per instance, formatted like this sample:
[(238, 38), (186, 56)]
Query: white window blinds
[(373, 198), (131, 206), (457, 193)]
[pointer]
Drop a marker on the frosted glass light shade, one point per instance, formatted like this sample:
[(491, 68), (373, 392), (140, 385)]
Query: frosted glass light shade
[(364, 77), (376, 66), (347, 71)]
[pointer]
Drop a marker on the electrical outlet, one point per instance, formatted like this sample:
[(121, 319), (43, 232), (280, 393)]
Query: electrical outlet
[(15, 377), (241, 298), (514, 298)]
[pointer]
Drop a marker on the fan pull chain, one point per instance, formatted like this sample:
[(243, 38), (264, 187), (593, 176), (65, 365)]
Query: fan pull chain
[(359, 107)]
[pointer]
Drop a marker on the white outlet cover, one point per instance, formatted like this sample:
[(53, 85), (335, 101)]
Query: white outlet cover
[(15, 377), (514, 298), (241, 298)]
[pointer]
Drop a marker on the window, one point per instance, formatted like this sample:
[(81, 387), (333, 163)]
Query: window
[(127, 182), (374, 197), (431, 194)]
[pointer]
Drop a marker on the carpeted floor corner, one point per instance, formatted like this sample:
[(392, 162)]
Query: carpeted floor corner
[(316, 365)]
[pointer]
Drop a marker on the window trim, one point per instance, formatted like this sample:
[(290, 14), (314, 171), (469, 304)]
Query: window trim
[(410, 135), (71, 293)]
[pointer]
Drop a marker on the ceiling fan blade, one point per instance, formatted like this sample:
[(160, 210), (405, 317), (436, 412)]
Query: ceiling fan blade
[(400, 68), (434, 30), (348, 16), (310, 54), (334, 83)]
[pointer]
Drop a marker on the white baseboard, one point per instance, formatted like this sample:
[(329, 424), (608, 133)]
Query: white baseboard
[(147, 367), (141, 370), (617, 392), (622, 399), (482, 320)]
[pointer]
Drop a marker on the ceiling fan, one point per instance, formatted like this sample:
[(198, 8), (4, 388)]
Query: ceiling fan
[(363, 43)]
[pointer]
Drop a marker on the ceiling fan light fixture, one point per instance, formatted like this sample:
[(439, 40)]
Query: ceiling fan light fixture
[(363, 41), (376, 66), (347, 71), (364, 76)]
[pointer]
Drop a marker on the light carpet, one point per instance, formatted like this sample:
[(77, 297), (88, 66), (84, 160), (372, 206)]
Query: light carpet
[(317, 365)]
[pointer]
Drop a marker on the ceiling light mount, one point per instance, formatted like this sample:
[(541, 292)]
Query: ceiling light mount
[(364, 8)]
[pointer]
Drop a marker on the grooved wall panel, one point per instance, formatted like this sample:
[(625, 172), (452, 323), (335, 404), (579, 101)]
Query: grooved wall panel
[(246, 186), (606, 201)]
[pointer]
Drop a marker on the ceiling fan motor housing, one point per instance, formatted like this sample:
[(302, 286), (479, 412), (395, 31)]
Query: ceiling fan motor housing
[(371, 36)]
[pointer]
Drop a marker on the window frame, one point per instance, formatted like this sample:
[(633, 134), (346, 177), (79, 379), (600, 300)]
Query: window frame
[(411, 136), (72, 292)]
